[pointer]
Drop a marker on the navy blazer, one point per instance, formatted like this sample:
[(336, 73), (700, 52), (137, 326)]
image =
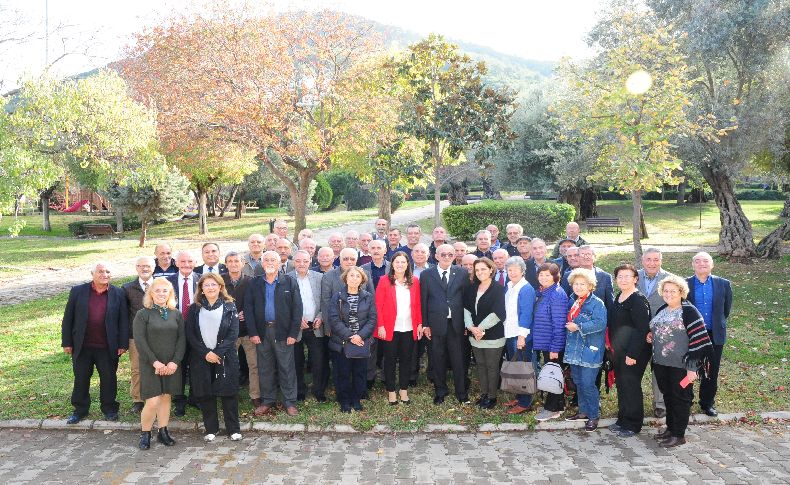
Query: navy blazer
[(75, 319), (436, 298), (287, 308), (722, 304)]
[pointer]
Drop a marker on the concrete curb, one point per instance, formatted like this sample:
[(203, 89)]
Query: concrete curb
[(695, 420)]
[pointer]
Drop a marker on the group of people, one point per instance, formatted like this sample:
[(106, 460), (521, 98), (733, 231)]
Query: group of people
[(369, 306)]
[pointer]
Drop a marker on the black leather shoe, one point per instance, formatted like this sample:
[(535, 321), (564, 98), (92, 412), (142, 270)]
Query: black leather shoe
[(145, 440), (413, 383), (660, 413), (180, 410), (485, 402), (481, 399), (662, 435), (345, 408), (111, 416), (74, 419), (710, 411), (137, 407), (673, 441), (300, 397), (591, 425), (491, 404), (321, 399), (371, 384), (438, 400), (357, 406), (163, 436)]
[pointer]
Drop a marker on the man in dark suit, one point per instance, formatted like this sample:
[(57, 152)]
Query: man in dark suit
[(513, 232), (236, 283), (211, 264), (441, 292), (712, 295), (284, 250), (273, 311), (483, 243), (95, 332), (135, 292), (375, 269), (537, 258), (604, 288), (185, 284)]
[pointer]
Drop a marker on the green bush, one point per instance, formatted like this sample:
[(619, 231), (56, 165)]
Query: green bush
[(323, 193), (539, 219), (759, 194), (342, 182), (397, 198), (360, 198), (130, 223)]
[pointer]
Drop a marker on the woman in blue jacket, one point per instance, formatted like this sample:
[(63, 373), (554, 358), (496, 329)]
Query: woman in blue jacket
[(584, 344), (519, 306), (548, 331)]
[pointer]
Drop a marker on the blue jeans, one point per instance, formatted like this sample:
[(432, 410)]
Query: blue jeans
[(524, 400), (589, 398)]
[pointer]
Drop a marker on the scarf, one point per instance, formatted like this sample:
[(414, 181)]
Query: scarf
[(577, 307), (163, 311), (204, 303)]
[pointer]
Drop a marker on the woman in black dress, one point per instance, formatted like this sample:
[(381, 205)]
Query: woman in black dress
[(629, 323)]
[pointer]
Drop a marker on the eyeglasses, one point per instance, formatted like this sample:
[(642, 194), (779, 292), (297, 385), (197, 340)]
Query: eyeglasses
[(349, 258), (210, 285), (446, 255)]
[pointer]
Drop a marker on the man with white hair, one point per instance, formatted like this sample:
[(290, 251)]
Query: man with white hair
[(419, 256), (495, 243), (165, 264), (309, 245), (352, 239), (604, 288), (252, 259), (572, 231), (712, 295), (304, 233), (538, 257), (336, 243), (135, 291), (185, 285), (650, 276), (439, 237), (382, 227), (95, 332), (364, 249), (460, 249), (483, 243), (324, 260), (500, 273), (513, 232), (281, 229)]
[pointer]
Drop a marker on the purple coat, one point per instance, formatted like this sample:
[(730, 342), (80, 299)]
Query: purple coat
[(551, 314)]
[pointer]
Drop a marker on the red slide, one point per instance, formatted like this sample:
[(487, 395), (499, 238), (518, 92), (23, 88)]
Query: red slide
[(76, 206)]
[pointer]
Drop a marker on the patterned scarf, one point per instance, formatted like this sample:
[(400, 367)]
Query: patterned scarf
[(577, 307), (163, 311)]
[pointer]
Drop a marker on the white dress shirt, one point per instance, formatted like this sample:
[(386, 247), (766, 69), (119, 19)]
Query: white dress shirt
[(308, 303), (403, 300)]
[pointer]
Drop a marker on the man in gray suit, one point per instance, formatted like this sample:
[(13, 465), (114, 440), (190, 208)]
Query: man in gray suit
[(311, 333), (284, 250), (377, 268), (649, 277)]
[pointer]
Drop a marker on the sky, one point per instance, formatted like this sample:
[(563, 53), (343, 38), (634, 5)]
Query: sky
[(97, 30)]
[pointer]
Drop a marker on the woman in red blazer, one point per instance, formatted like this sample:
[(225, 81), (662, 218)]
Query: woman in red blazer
[(399, 323)]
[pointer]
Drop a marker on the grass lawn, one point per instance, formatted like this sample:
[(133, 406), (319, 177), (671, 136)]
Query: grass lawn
[(21, 255), (36, 376)]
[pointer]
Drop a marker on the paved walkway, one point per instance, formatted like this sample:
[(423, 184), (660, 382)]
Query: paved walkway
[(713, 455)]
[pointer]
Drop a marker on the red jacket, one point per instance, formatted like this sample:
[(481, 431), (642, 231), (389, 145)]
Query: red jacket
[(387, 307)]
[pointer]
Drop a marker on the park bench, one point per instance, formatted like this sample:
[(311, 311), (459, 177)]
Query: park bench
[(604, 224), (474, 197), (98, 230)]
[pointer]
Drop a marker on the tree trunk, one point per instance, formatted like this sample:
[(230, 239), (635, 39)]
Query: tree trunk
[(230, 200), (636, 199), (118, 220), (771, 245), (437, 194), (489, 192), (642, 225), (456, 194), (682, 192), (736, 240), (588, 205), (786, 210), (201, 195), (239, 205), (299, 202), (572, 196), (143, 231), (45, 197), (385, 203), (210, 210)]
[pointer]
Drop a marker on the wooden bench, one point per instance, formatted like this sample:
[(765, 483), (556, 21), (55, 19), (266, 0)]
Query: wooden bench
[(99, 230), (474, 197), (604, 224)]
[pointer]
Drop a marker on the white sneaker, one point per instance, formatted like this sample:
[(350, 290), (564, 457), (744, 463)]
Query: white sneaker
[(235, 437), (209, 438), (545, 415)]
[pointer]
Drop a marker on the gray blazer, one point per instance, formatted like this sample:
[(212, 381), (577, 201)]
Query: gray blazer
[(654, 298), (367, 268), (315, 285), (331, 285)]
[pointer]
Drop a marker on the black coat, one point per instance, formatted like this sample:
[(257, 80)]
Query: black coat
[(492, 301), (287, 308), (75, 319), (209, 379), (338, 310), (436, 298)]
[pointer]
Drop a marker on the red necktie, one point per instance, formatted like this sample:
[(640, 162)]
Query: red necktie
[(501, 279), (185, 299)]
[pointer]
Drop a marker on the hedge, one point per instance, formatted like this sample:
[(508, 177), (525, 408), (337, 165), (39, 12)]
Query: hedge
[(539, 219), (759, 194)]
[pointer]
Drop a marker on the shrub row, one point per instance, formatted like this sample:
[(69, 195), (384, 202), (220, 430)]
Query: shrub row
[(759, 194), (539, 219)]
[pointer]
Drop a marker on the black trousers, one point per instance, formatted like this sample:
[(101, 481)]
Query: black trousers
[(230, 413), (552, 402), (181, 398), (83, 365), (420, 349), (399, 351), (709, 385), (350, 382), (315, 350), (449, 349), (677, 399), (628, 379)]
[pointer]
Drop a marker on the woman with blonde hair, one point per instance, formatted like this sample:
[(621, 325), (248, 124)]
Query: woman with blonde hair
[(585, 343), (212, 328), (161, 342)]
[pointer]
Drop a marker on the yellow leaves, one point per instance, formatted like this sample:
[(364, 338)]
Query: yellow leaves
[(736, 102)]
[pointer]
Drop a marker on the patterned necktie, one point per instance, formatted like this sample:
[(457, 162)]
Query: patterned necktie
[(501, 279), (145, 286), (210, 269), (185, 299)]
